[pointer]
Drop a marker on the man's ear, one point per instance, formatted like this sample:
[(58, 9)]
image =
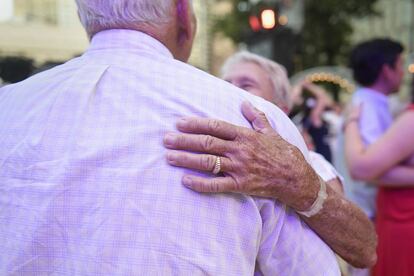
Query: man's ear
[(387, 71), (185, 30)]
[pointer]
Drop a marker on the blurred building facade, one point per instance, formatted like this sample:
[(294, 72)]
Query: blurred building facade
[(44, 30), (49, 30), (202, 50), (396, 20)]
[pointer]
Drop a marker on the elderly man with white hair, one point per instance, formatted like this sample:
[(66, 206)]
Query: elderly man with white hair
[(85, 189)]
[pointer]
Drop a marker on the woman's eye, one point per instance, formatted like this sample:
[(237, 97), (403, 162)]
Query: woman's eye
[(245, 86)]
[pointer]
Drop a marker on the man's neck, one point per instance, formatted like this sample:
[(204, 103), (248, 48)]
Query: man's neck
[(381, 89)]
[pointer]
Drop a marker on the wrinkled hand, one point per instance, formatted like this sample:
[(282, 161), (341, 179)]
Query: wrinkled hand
[(256, 162)]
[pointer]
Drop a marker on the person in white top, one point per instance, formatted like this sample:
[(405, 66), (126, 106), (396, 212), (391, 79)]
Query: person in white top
[(268, 80), (85, 189)]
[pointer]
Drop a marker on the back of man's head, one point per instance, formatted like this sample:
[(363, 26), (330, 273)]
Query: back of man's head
[(368, 58), (98, 15)]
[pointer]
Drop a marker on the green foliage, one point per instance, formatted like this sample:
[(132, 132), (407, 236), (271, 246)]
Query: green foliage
[(234, 25), (327, 30), (325, 38), (14, 69)]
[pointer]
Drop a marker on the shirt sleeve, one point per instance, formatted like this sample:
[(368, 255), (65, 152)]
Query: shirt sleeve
[(271, 251), (289, 247), (323, 168), (370, 123)]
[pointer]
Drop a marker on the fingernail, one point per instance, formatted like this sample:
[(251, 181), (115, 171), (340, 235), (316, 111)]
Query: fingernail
[(187, 181), (169, 139), (171, 158), (258, 124)]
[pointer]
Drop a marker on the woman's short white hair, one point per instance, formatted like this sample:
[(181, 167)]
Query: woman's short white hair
[(98, 15), (276, 73)]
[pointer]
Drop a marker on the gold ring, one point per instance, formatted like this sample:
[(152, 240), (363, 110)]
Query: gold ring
[(217, 166)]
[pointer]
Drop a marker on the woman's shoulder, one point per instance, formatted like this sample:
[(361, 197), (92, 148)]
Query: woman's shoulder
[(406, 119)]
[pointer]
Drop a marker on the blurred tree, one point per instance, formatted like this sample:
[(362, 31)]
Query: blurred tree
[(15, 69), (325, 37), (327, 30), (236, 24)]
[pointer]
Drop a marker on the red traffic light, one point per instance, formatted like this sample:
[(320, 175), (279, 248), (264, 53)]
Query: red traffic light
[(254, 23)]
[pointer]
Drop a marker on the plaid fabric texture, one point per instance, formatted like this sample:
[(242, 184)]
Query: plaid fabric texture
[(85, 188)]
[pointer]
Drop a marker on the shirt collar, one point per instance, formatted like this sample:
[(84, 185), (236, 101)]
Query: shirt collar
[(123, 39), (374, 94)]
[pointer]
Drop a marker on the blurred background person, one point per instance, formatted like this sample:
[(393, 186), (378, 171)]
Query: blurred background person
[(391, 158), (377, 66), (315, 121)]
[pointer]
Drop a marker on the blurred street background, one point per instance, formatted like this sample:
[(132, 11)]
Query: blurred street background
[(307, 37)]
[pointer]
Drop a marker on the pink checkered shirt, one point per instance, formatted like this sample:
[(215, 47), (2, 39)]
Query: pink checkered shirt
[(85, 188)]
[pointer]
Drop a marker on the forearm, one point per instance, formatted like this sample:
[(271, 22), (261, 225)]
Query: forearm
[(359, 165), (297, 94), (401, 176), (340, 223), (346, 229), (316, 113)]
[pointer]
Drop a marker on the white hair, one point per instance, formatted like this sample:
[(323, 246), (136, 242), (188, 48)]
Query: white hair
[(98, 15), (276, 73)]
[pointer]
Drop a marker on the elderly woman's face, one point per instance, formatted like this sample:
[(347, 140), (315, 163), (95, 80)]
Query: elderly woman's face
[(251, 77)]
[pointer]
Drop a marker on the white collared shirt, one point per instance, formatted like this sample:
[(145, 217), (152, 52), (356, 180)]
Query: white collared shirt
[(375, 117), (86, 190)]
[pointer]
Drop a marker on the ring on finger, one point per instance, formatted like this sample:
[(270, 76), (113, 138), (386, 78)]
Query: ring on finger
[(217, 165)]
